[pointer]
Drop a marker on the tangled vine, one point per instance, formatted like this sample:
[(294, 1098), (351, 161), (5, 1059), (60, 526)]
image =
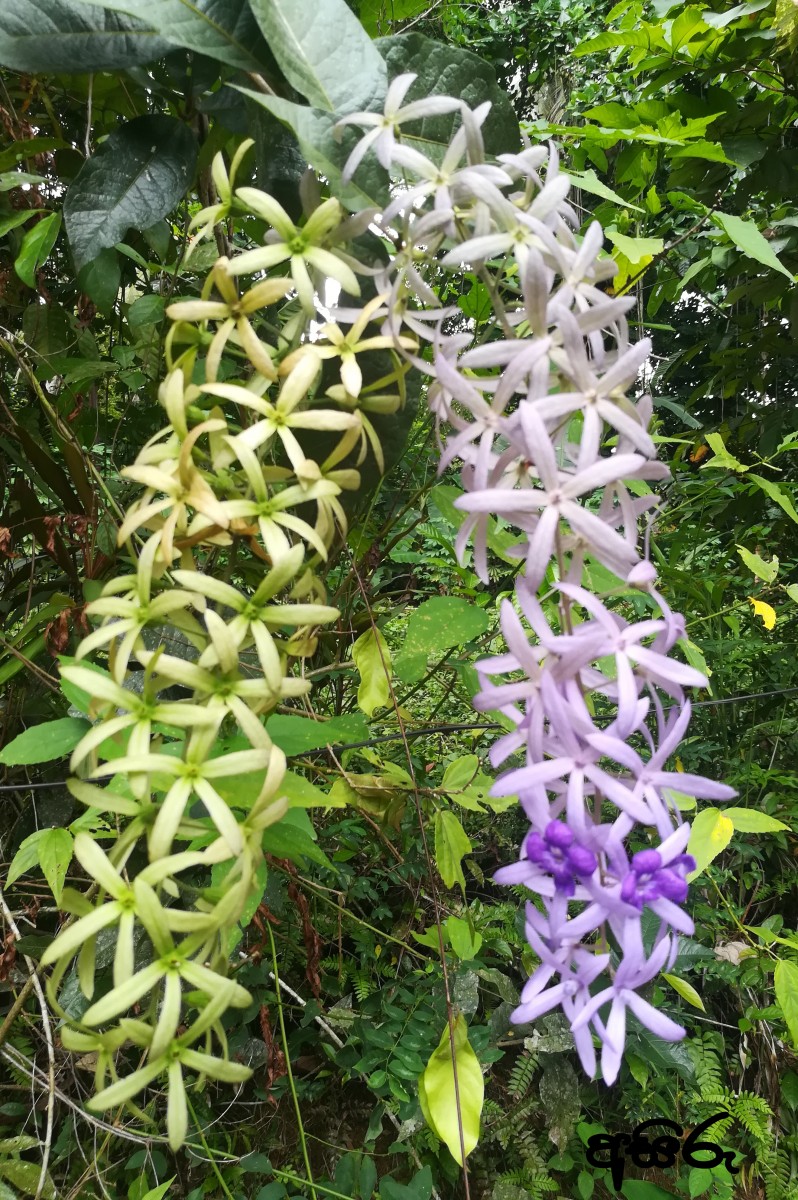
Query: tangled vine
[(533, 402)]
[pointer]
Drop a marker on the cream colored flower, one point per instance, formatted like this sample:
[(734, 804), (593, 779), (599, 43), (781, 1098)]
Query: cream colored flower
[(182, 489), (302, 246), (233, 312)]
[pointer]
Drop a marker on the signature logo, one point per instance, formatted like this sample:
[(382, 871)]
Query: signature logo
[(608, 1150)]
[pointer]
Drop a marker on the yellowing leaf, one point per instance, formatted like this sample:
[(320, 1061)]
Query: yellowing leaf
[(764, 611), (373, 660), (438, 1098), (711, 833), (685, 990)]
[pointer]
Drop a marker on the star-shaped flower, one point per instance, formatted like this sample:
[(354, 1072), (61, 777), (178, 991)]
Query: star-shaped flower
[(302, 246), (384, 126)]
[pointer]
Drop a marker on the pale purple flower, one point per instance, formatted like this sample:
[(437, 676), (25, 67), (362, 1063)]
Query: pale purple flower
[(633, 973), (383, 126)]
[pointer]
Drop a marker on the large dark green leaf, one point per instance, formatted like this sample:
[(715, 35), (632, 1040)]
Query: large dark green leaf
[(324, 52), (313, 130), (137, 176), (449, 71), (222, 29), (68, 35)]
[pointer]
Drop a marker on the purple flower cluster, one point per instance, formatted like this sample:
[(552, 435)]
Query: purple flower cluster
[(533, 403)]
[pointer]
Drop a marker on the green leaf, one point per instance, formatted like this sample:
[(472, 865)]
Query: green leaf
[(55, 36), (312, 40), (44, 743), (293, 837), (16, 219), (376, 15), (699, 1181), (792, 591), (437, 1094), (777, 495), (451, 844), (437, 625), (685, 990), (747, 238), (463, 939), (100, 279), (138, 175), (585, 1183), (786, 982), (763, 570), (588, 181), (25, 1176), (26, 857), (641, 1189), (419, 1188), (225, 31), (158, 1193), (608, 41), (295, 735), (709, 151), (373, 661), (751, 820), (460, 773), (36, 246), (301, 793), (15, 1145), (711, 832), (14, 179), (449, 71), (55, 855)]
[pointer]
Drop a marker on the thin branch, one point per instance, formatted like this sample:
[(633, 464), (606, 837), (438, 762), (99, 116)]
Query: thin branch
[(48, 1037)]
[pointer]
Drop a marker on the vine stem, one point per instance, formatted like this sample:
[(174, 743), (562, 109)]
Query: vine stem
[(432, 881), (207, 1150), (48, 1037), (289, 1072)]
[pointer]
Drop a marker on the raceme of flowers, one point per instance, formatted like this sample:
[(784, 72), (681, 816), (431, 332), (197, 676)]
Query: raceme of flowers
[(534, 403), (225, 593)]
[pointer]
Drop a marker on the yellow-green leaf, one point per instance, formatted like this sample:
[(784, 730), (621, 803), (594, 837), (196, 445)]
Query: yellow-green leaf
[(638, 250), (373, 660), (766, 571), (459, 774), (451, 844), (786, 981), (464, 940), (722, 457), (711, 833), (765, 611), (683, 802), (438, 1097), (55, 855), (751, 820), (685, 990)]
